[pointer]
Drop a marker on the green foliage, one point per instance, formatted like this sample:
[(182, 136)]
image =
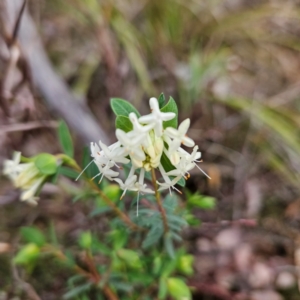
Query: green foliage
[(130, 257), (68, 172), (33, 235), (204, 202), (178, 289), (124, 123), (75, 292), (65, 138), (46, 163), (27, 255), (185, 264), (122, 107), (171, 106), (161, 100), (85, 240)]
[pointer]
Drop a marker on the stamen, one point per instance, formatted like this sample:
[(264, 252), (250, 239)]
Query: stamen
[(96, 176), (202, 171), (101, 178), (137, 204), (176, 189), (83, 170), (123, 194)]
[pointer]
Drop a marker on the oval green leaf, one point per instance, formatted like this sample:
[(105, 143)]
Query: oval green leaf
[(178, 289), (124, 123), (171, 106), (65, 138), (46, 163), (122, 107), (161, 100)]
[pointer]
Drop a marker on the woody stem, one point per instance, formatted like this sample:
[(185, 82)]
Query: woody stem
[(159, 203)]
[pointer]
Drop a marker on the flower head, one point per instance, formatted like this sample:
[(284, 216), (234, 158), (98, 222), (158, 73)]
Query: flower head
[(156, 117), (144, 146), (25, 176)]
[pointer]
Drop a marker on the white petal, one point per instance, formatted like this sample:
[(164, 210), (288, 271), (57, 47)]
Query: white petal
[(121, 136), (167, 116), (184, 126), (154, 104), (174, 158), (171, 132), (188, 142), (147, 119)]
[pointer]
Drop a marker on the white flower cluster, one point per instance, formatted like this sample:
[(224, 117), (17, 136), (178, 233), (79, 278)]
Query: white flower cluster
[(143, 146), (24, 176)]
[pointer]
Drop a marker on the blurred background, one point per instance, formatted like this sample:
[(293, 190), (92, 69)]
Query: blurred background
[(233, 68)]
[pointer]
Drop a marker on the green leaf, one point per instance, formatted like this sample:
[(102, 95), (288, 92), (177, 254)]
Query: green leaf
[(119, 238), (27, 255), (178, 289), (124, 123), (185, 264), (46, 163), (75, 279), (171, 106), (166, 163), (122, 107), (169, 245), (65, 138), (157, 264), (169, 267), (192, 220), (77, 290), (204, 202), (162, 292), (99, 247), (33, 235), (161, 100), (181, 182), (153, 235), (85, 240), (130, 257), (68, 172), (100, 210)]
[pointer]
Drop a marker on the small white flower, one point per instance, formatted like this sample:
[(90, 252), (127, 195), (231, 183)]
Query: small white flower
[(193, 158), (156, 117), (24, 176), (168, 184), (131, 147), (141, 186), (11, 167), (179, 136), (129, 184), (29, 194), (106, 171), (110, 153), (182, 168)]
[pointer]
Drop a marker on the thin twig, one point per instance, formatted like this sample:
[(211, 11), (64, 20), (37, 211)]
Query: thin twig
[(159, 203), (27, 126), (93, 275), (52, 87), (106, 289), (111, 204)]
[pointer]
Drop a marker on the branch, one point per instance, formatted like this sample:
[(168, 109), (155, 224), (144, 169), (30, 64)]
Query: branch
[(56, 93)]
